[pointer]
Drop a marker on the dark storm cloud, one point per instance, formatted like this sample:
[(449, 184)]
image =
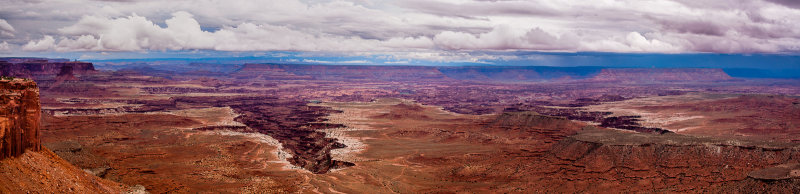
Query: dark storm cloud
[(788, 3), (477, 9), (694, 27)]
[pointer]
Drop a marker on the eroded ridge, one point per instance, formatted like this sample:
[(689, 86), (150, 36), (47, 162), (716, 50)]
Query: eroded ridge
[(594, 160)]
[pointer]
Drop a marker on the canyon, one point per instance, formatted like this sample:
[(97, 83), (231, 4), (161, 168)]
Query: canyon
[(406, 129)]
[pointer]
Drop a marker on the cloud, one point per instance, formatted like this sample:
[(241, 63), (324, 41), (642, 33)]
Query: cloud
[(505, 37), (637, 42), (46, 43), (472, 9), (183, 32), (788, 3), (694, 27), (6, 30), (5, 46), (409, 42), (431, 26), (632, 42)]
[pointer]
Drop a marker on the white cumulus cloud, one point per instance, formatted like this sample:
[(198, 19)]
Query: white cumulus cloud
[(46, 43), (5, 46), (6, 30)]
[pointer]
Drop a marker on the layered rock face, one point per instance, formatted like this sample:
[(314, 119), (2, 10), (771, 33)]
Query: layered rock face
[(643, 75), (19, 117), (669, 162), (25, 165), (266, 71), (519, 74), (31, 59), (38, 68), (532, 131)]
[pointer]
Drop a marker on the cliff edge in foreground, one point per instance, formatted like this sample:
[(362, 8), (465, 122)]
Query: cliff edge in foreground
[(26, 166), (19, 117)]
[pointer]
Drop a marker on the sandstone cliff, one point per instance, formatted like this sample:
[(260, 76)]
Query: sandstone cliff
[(34, 69), (26, 166), (19, 117), (598, 160)]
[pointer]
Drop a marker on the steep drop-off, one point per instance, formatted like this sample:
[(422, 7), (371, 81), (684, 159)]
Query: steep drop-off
[(26, 166), (294, 124), (33, 69), (19, 117), (597, 160)]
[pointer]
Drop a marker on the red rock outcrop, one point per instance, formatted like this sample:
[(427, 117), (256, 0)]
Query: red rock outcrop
[(645, 75), (268, 72), (44, 172), (598, 160), (66, 74), (536, 131), (775, 117), (19, 117), (37, 68), (26, 166)]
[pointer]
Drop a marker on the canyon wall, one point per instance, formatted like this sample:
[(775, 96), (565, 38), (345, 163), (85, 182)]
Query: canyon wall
[(38, 68), (649, 75), (19, 117), (519, 73), (340, 72), (597, 160)]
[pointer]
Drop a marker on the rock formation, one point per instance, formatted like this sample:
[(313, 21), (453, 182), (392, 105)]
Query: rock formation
[(294, 124), (657, 75), (339, 72), (38, 68), (26, 166), (66, 73), (649, 162), (533, 120), (538, 132), (19, 117), (519, 73)]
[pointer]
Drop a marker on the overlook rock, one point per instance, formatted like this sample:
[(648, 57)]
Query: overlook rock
[(25, 165), (19, 117)]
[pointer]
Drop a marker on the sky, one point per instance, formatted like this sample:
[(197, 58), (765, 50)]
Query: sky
[(397, 31)]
